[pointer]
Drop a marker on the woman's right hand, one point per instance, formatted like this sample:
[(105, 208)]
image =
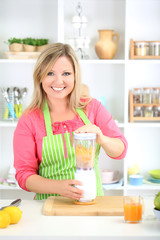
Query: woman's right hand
[(66, 188)]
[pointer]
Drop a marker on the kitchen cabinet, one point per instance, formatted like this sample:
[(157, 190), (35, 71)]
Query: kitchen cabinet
[(109, 78)]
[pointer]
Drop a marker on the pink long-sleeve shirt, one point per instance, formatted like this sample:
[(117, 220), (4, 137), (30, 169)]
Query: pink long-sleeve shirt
[(30, 130)]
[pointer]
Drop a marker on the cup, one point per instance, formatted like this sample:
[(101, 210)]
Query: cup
[(133, 207), (108, 176)]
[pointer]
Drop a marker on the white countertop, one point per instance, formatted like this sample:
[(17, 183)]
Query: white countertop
[(34, 225)]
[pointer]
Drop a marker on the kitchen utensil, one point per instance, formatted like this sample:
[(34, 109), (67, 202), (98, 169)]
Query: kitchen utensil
[(17, 101), (85, 154), (10, 107), (23, 92), (104, 206), (14, 203), (155, 173)]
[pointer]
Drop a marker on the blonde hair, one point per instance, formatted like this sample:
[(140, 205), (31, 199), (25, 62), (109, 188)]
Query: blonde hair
[(44, 63)]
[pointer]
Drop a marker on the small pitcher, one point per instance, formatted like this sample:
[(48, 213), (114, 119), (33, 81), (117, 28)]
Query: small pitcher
[(106, 47)]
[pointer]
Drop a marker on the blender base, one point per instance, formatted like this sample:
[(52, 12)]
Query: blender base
[(85, 203)]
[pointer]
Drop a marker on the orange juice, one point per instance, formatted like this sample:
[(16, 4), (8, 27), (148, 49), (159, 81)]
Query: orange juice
[(132, 212)]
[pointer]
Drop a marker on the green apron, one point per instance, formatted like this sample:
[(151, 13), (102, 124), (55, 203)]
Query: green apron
[(55, 164)]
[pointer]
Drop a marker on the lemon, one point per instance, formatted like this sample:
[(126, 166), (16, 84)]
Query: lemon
[(15, 214), (4, 219)]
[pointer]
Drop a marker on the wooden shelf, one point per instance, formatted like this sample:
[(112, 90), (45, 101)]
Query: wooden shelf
[(131, 110), (145, 105), (146, 118), (132, 51)]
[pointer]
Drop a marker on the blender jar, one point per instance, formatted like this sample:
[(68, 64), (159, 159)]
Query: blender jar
[(85, 146)]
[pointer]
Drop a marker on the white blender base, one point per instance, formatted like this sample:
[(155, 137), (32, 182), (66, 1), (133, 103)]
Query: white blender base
[(88, 179)]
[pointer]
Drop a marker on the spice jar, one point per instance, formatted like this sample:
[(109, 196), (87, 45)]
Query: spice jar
[(137, 95), (138, 112), (147, 97), (155, 48), (156, 96), (141, 48), (148, 112), (151, 48), (156, 111)]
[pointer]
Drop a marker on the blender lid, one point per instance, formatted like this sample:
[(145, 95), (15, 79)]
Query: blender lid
[(85, 136)]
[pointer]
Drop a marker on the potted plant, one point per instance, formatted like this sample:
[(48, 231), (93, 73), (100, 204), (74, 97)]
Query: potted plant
[(41, 44), (29, 44), (15, 45)]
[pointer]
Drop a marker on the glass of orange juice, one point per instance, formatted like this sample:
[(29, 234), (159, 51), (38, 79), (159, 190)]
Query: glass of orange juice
[(133, 208)]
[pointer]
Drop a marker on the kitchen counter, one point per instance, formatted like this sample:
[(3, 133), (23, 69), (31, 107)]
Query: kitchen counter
[(34, 225)]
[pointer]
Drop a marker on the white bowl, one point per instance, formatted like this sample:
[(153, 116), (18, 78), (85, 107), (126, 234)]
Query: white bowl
[(157, 213)]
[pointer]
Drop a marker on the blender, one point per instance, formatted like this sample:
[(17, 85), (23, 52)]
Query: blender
[(85, 146)]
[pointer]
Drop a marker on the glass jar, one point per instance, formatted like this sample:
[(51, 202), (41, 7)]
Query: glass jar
[(85, 144), (141, 49), (138, 112), (148, 112), (156, 111), (151, 49), (147, 46), (137, 95), (155, 48), (156, 96), (147, 97)]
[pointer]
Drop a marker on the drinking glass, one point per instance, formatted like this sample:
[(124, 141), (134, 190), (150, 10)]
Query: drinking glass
[(133, 207)]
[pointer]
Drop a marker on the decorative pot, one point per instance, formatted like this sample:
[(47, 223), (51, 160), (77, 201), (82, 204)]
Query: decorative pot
[(16, 47), (41, 48), (106, 47), (29, 48)]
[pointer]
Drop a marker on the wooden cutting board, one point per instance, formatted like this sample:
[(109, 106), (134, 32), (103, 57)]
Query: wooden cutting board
[(104, 206)]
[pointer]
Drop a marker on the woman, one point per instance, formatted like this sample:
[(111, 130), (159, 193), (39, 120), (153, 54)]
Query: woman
[(44, 156)]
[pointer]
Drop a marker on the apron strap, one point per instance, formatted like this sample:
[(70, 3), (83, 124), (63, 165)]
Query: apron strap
[(47, 119), (83, 116)]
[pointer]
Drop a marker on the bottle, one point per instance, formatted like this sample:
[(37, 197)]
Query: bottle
[(148, 112), (151, 48), (138, 112), (155, 48), (156, 111), (141, 49), (147, 96), (137, 95), (155, 96)]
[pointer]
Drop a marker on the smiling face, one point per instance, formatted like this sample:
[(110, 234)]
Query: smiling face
[(59, 82)]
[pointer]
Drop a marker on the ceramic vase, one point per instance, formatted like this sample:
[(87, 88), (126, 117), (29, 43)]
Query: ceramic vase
[(106, 47)]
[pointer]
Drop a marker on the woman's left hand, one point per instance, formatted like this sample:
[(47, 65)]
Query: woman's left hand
[(91, 128)]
